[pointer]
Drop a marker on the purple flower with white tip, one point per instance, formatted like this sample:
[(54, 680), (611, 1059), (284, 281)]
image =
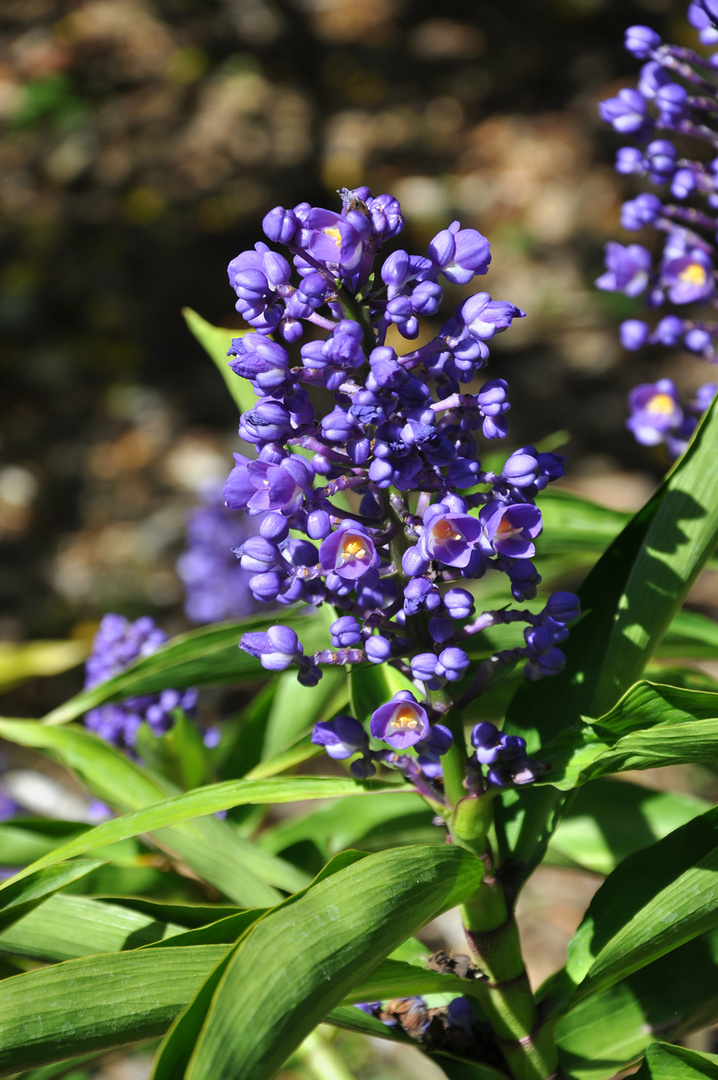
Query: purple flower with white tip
[(276, 649)]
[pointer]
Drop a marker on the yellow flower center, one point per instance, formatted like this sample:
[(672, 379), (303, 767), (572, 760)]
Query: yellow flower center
[(334, 234), (663, 404), (442, 531), (404, 719), (505, 530), (353, 547), (694, 274)]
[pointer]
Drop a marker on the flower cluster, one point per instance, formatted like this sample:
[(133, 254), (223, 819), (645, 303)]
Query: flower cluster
[(216, 586), (116, 644), (376, 500), (657, 416), (676, 97)]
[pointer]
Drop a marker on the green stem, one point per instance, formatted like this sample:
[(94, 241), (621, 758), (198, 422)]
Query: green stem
[(356, 311), (493, 937)]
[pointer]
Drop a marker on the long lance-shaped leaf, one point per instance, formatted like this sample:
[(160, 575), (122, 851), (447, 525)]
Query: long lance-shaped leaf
[(300, 961), (609, 820), (629, 599), (68, 927), (216, 340), (211, 847), (207, 800), (20, 898), (669, 998), (206, 657), (653, 902), (652, 725), (97, 1003)]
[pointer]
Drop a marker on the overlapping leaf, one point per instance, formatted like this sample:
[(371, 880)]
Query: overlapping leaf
[(630, 599), (656, 900), (330, 940), (206, 657)]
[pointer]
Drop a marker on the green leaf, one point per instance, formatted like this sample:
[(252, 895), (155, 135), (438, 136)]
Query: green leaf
[(667, 1062), (396, 978), (630, 599), (653, 902), (692, 636), (20, 897), (206, 800), (293, 714), (609, 820), (651, 726), (186, 1028), (216, 340), (212, 848), (67, 927), (667, 999), (300, 961), (572, 523), (209, 656), (344, 823), (97, 1003)]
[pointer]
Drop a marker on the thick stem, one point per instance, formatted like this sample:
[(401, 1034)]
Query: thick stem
[(493, 938)]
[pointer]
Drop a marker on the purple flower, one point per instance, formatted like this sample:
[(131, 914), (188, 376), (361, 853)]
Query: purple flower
[(401, 722), (216, 586), (628, 269), (449, 538), (634, 333), (641, 41), (626, 113), (276, 649), (654, 411), (331, 239), (460, 254), (689, 278), (349, 551), (510, 530), (116, 645), (341, 737)]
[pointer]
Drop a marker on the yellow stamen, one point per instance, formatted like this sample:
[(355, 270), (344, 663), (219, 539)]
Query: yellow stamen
[(404, 719), (443, 531), (663, 404), (353, 547), (694, 274), (334, 235), (506, 530)]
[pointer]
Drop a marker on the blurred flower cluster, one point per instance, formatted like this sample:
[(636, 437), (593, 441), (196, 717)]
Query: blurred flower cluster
[(116, 645), (673, 107)]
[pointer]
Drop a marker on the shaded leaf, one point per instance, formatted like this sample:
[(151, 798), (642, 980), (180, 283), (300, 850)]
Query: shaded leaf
[(666, 1062)]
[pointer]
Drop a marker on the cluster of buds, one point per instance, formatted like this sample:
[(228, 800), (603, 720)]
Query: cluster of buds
[(116, 645), (676, 97), (378, 504)]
